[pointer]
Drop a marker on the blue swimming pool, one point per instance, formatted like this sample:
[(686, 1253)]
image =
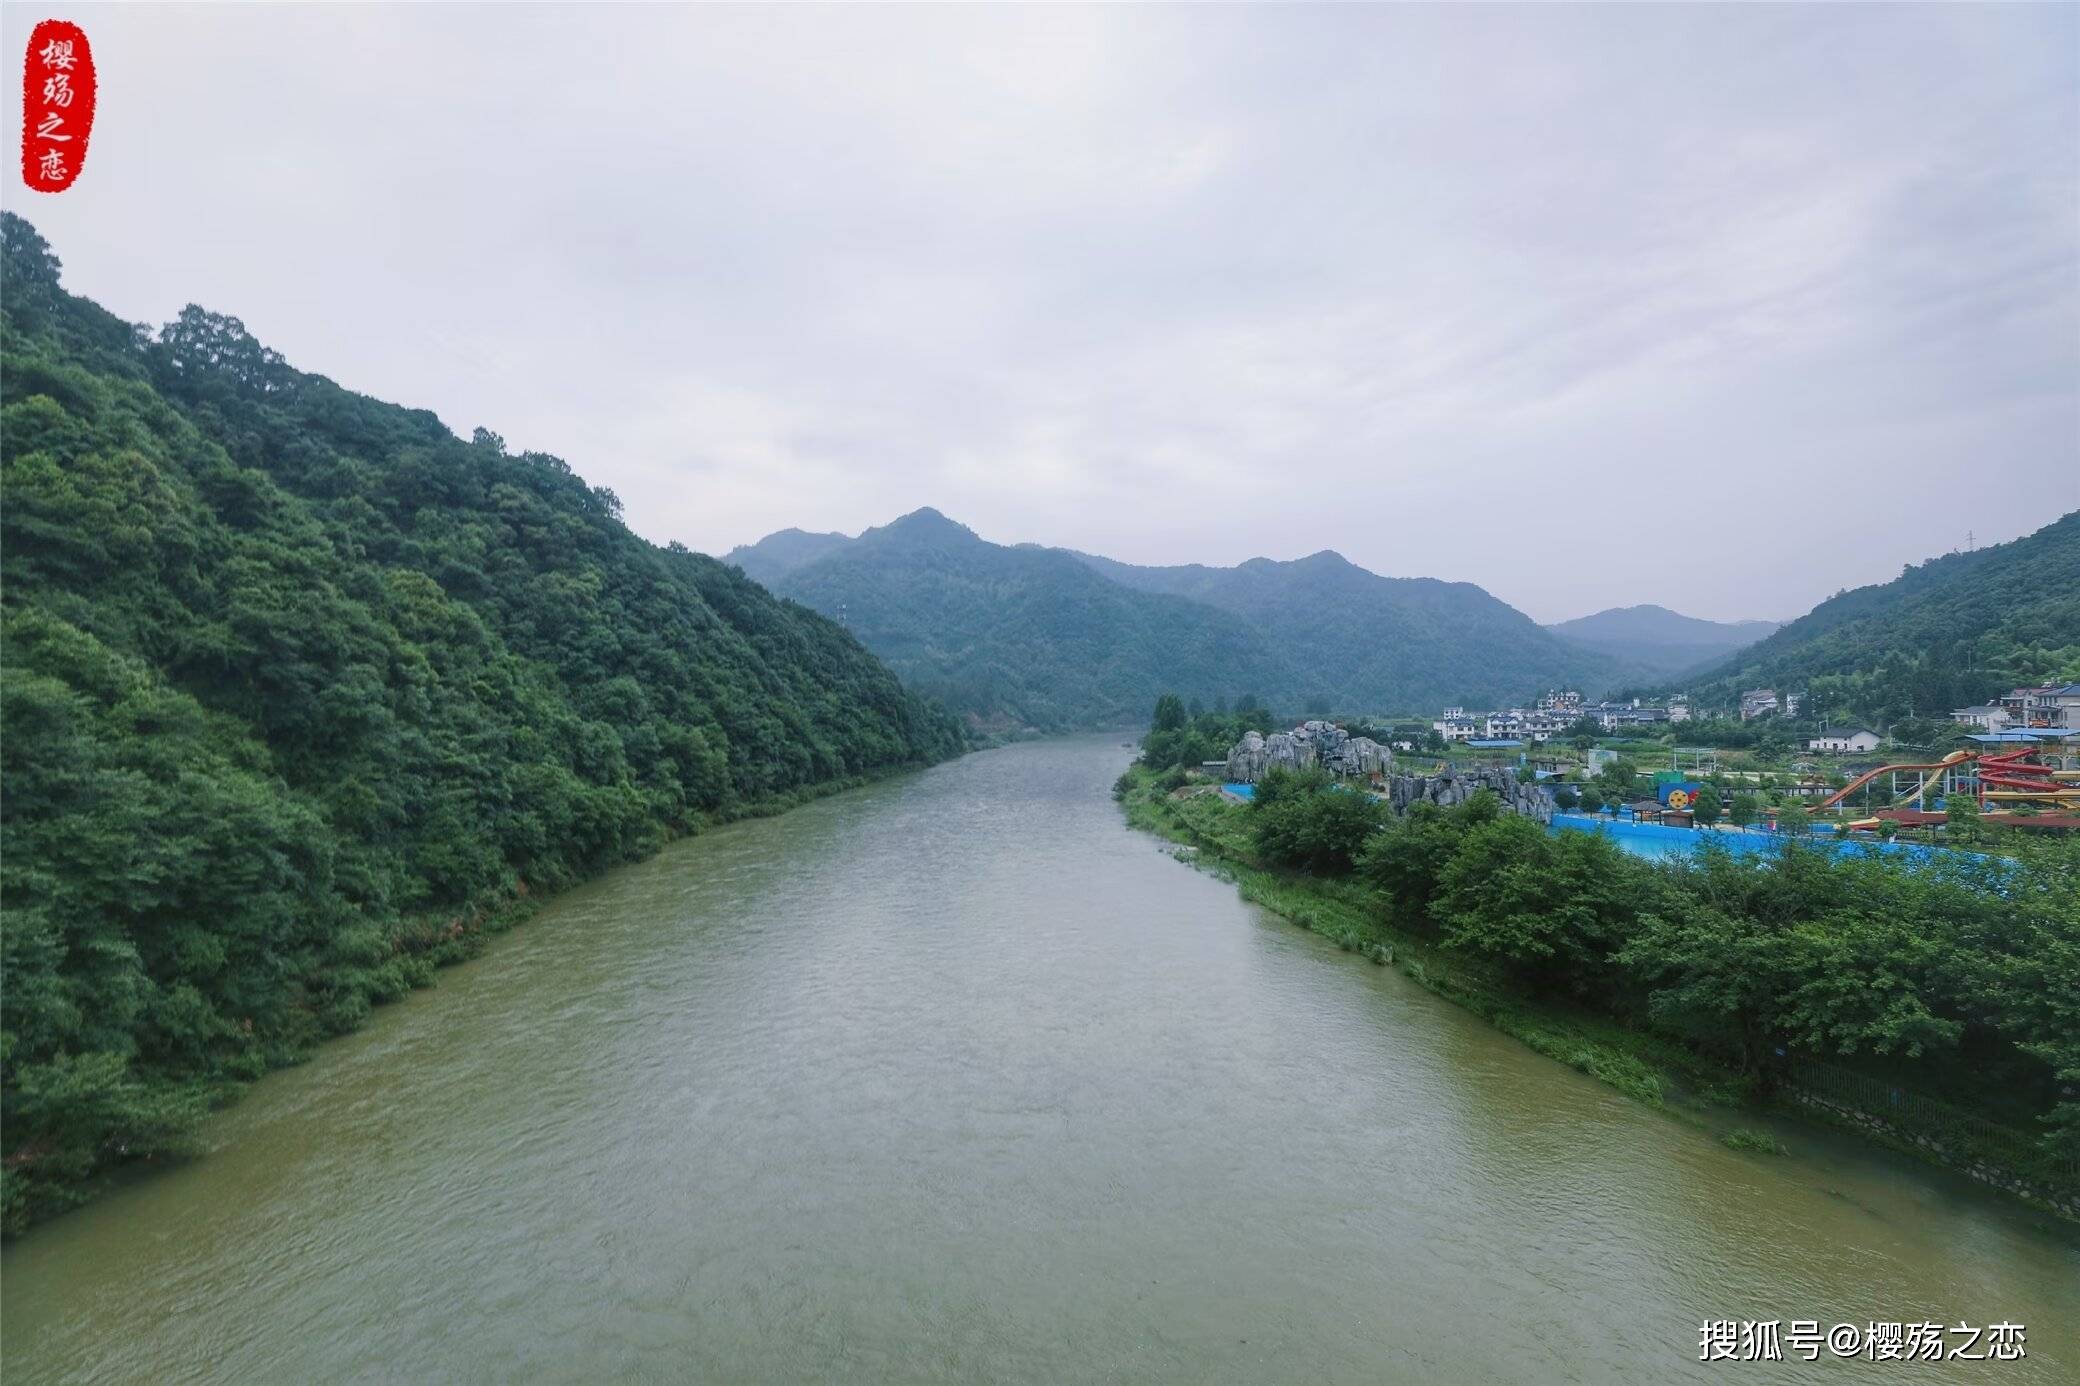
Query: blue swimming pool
[(1661, 840)]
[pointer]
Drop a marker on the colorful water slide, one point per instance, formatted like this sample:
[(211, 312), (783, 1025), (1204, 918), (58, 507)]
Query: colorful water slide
[(1931, 770), (2015, 783)]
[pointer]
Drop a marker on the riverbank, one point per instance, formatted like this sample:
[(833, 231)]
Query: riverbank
[(419, 949), (1649, 1068)]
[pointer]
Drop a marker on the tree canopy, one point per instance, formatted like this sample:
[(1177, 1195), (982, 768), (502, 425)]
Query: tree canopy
[(300, 688)]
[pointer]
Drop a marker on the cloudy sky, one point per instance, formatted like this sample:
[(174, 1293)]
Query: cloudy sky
[(1723, 308)]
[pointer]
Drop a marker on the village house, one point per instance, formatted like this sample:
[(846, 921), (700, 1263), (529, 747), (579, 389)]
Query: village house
[(1615, 715), (2044, 705), (2057, 708), (1986, 717), (1852, 741)]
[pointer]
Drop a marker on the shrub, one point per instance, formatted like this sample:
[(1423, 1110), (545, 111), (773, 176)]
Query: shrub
[(1280, 783), (1321, 831), (1742, 1138)]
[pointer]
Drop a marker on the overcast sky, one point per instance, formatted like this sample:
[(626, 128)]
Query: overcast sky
[(1718, 308)]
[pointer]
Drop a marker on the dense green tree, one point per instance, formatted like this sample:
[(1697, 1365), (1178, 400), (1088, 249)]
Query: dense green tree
[(1961, 818), (1318, 828), (1547, 906), (1178, 739), (300, 690), (1406, 861)]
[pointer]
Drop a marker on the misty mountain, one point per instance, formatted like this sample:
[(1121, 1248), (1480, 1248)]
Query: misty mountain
[(1018, 637), (783, 551), (1658, 642), (1050, 638), (1362, 641)]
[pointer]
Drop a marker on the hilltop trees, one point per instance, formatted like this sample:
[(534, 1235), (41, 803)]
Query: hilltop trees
[(1944, 634)]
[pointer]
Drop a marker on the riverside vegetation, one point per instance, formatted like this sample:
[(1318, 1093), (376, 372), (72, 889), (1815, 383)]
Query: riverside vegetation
[(1709, 978), (303, 693)]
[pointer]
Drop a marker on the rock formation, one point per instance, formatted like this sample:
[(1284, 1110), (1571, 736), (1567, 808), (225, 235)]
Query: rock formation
[(1310, 744), (1337, 751), (1457, 786)]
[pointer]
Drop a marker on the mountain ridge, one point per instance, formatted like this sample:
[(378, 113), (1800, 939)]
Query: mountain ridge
[(1658, 642), (1311, 633)]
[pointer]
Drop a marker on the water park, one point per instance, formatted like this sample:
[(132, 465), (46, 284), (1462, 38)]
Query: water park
[(2012, 787), (2018, 779)]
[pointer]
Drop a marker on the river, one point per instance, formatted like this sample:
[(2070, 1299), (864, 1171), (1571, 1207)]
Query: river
[(957, 1078)]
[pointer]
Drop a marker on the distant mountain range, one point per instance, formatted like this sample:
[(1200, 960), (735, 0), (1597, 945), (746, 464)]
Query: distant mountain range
[(1943, 634), (1660, 643), (1366, 642), (1013, 637), (1026, 636)]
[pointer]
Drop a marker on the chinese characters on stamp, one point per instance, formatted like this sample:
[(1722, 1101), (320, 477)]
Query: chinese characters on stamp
[(57, 105)]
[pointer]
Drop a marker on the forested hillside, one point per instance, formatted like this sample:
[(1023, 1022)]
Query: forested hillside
[(1049, 638), (1024, 637), (1944, 634), (1660, 643), (301, 690), (1362, 642)]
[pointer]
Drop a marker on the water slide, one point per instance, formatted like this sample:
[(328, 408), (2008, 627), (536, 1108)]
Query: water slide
[(1929, 772), (2004, 779), (2030, 784)]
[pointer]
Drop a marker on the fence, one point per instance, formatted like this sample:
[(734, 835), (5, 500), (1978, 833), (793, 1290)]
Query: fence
[(1955, 1133)]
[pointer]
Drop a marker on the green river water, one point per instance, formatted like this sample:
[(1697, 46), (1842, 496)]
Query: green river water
[(957, 1078)]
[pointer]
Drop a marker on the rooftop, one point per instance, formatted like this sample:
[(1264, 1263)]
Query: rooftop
[(2036, 734)]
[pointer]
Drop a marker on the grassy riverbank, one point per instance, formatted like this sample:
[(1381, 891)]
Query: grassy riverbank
[(1348, 914), (1655, 1067)]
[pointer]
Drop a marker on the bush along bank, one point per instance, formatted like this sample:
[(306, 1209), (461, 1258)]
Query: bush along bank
[(1943, 1012)]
